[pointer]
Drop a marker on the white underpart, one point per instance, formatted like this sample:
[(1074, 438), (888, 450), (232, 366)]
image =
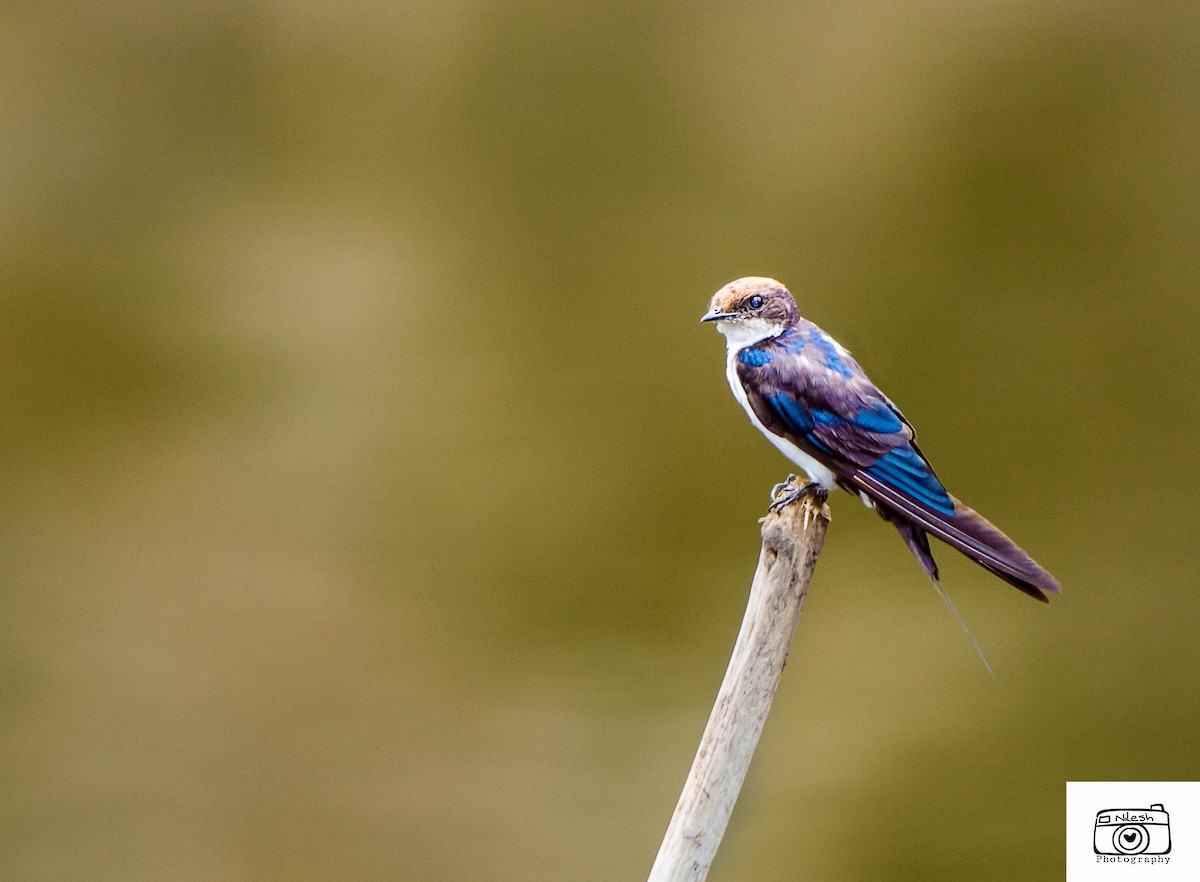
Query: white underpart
[(747, 332)]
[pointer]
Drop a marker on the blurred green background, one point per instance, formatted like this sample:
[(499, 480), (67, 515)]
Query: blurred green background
[(375, 507)]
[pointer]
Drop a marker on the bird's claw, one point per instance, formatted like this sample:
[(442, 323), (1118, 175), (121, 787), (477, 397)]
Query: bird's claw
[(781, 486), (782, 496)]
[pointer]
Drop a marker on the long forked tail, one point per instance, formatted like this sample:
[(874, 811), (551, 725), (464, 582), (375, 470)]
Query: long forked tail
[(972, 534)]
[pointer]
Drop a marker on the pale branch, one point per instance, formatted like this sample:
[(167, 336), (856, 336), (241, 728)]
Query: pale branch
[(792, 539)]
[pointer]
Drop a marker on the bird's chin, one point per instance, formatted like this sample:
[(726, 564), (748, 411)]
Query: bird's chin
[(747, 331), (732, 330)]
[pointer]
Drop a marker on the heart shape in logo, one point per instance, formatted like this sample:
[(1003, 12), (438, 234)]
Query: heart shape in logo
[(1129, 837)]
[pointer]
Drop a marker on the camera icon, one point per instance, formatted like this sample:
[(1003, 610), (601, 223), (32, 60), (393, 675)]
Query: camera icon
[(1133, 831)]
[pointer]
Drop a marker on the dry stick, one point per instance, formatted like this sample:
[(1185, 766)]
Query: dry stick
[(792, 540)]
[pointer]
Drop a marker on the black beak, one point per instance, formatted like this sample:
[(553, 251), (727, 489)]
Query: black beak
[(713, 316)]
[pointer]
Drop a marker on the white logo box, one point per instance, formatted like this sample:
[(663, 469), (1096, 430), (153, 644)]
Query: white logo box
[(1133, 830)]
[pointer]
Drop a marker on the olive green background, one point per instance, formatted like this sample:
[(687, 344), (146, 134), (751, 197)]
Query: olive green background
[(375, 507)]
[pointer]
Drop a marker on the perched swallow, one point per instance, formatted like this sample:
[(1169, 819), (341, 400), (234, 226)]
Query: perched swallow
[(803, 390)]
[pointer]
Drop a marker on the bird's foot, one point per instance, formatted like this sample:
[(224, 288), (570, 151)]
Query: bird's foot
[(787, 493), (781, 486)]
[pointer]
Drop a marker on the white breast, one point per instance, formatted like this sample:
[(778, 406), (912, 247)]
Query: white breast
[(739, 336)]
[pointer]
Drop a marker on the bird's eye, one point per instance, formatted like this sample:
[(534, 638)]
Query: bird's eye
[(756, 302)]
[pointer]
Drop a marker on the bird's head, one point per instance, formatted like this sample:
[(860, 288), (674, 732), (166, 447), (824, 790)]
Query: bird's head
[(752, 309)]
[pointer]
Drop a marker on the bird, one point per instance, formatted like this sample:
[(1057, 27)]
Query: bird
[(811, 399)]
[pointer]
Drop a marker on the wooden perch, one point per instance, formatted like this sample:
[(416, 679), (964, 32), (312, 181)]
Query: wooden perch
[(792, 539)]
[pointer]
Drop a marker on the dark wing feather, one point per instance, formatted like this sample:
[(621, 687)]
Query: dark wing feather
[(969, 532)]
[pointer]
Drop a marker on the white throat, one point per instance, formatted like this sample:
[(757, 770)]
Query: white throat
[(747, 332)]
